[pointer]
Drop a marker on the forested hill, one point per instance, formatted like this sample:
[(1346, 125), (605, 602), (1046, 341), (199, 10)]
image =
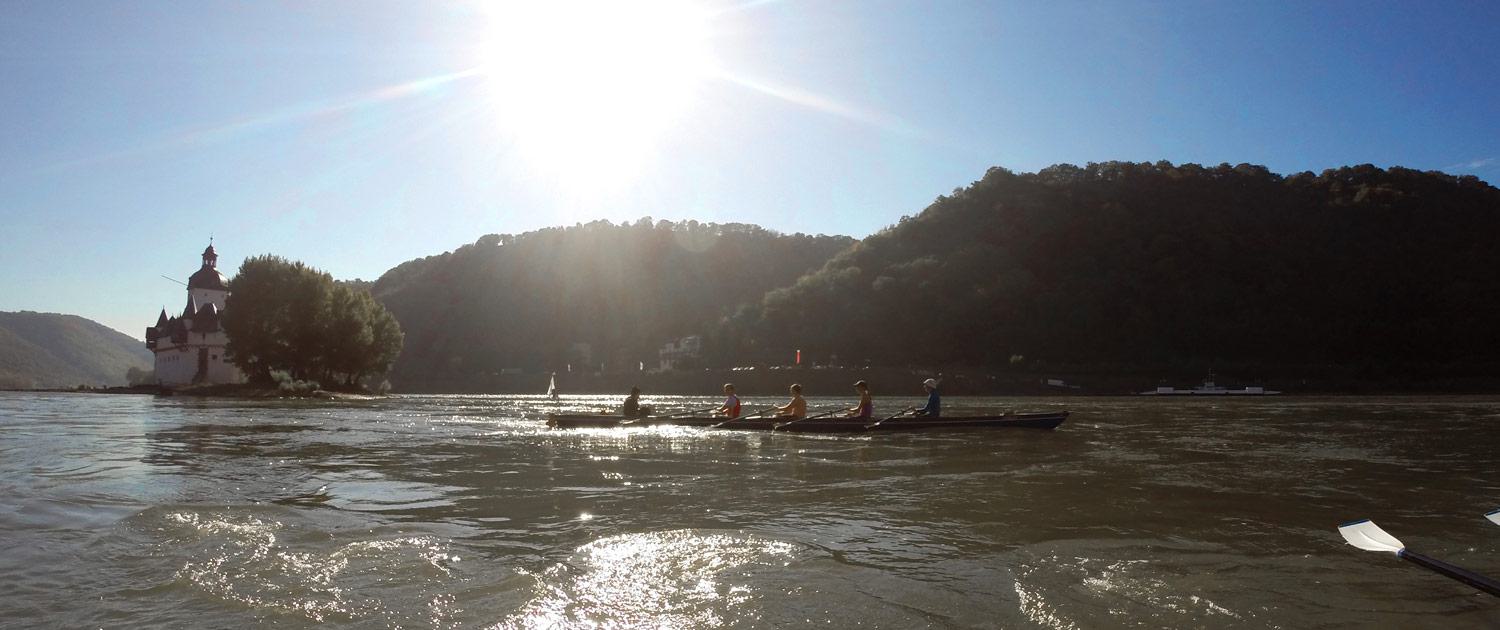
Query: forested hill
[(1148, 265), (528, 301), (55, 350)]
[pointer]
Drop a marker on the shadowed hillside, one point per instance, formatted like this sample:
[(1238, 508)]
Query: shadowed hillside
[(585, 295), (1154, 265), (55, 350)]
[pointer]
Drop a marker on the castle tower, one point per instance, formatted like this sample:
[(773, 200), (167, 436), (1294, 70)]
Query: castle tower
[(190, 349), (207, 285)]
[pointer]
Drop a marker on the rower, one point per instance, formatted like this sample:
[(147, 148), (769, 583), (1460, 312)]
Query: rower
[(866, 406), (796, 409), (632, 407), (731, 407), (934, 406)]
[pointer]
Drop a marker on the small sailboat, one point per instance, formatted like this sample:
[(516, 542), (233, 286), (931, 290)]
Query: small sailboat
[(552, 387)]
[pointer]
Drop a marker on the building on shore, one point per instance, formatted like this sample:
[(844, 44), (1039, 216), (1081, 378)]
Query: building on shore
[(680, 353), (189, 348)]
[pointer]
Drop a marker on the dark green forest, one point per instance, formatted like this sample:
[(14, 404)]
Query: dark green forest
[(526, 301), (1121, 268), (1140, 267)]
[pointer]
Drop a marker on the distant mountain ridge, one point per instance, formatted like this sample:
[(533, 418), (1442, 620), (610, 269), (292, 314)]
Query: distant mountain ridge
[(1117, 267), (590, 294), (59, 350), (1150, 267)]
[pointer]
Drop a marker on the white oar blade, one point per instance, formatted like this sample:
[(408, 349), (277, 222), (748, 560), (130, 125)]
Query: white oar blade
[(1366, 535), (1494, 516)]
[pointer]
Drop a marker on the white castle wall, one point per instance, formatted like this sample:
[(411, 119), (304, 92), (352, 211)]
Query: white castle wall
[(220, 370), (204, 296), (178, 364)]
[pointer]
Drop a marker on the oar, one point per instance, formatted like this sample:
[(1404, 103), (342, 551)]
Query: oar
[(751, 415), (898, 414), (670, 415), (1494, 516), (828, 413), (1368, 536)]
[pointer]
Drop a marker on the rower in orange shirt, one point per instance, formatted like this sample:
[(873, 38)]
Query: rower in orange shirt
[(731, 407)]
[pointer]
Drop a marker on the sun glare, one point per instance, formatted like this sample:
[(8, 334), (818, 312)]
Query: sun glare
[(589, 87)]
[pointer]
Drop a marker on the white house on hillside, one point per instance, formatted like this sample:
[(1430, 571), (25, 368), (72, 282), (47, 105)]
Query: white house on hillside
[(189, 348), (679, 351)]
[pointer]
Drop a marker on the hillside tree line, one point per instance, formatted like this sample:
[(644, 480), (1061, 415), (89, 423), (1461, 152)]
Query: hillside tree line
[(1143, 265), (588, 295)]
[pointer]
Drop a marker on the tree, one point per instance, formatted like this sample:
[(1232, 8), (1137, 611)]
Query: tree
[(287, 316), (136, 376)]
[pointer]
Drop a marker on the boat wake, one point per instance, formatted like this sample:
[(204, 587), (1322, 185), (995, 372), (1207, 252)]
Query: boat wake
[(249, 557), (1087, 584)]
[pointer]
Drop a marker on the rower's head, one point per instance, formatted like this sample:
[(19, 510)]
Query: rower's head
[(635, 391), (729, 388), (930, 384), (796, 389), (862, 386)]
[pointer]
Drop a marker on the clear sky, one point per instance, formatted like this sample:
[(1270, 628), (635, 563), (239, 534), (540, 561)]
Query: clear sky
[(355, 135)]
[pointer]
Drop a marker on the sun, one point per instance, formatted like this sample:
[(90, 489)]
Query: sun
[(589, 87)]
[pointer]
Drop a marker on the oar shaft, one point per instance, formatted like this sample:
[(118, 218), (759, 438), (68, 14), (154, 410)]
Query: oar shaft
[(744, 417), (1458, 573), (811, 417), (893, 417)]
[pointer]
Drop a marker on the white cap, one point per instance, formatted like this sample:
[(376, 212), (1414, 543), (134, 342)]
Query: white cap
[(930, 383)]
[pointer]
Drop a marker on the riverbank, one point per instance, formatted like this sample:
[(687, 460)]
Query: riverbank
[(822, 381), (245, 390), (218, 391), (774, 381)]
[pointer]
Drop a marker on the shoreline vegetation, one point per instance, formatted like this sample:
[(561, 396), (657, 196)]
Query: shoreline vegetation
[(906, 382), (824, 381), (230, 391)]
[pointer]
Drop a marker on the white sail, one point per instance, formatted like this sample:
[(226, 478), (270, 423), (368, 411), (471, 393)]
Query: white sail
[(552, 386)]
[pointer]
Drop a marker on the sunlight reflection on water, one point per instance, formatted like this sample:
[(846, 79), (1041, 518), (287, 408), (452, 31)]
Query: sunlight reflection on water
[(675, 579)]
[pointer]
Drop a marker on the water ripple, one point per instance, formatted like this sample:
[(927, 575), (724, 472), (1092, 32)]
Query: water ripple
[(467, 512)]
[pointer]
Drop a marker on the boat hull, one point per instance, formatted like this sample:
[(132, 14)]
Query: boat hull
[(1049, 420)]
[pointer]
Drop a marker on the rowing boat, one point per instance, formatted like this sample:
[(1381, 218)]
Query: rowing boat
[(1046, 420)]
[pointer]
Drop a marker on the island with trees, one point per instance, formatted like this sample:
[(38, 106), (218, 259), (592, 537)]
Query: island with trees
[(293, 328)]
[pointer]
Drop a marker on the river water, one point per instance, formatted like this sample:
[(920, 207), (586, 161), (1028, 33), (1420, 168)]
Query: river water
[(466, 512)]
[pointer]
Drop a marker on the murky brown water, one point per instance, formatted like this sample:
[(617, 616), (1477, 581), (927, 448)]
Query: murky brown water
[(124, 511)]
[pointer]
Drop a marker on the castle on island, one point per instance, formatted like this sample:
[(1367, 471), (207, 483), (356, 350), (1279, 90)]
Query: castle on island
[(189, 348)]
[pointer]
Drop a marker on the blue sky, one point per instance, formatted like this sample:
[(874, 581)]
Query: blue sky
[(357, 135)]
